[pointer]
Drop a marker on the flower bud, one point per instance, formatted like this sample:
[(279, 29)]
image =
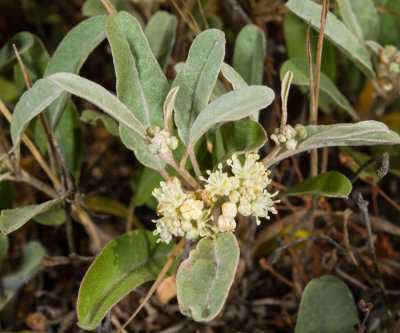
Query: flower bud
[(291, 144), (229, 209), (226, 224), (301, 131)]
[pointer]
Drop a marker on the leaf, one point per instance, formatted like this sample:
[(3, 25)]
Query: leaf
[(364, 133), (160, 32), (299, 67), (149, 180), (204, 279), (249, 54), (45, 91), (361, 18), (197, 79), (329, 184), (234, 105), (52, 217), (106, 206), (336, 32), (32, 51), (31, 259), (70, 55), (295, 32), (13, 219), (327, 306), (237, 137), (125, 263), (95, 7), (3, 247), (98, 119), (135, 63), (232, 76), (390, 24), (30, 263)]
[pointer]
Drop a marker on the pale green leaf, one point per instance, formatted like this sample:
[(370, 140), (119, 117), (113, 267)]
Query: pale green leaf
[(336, 32), (70, 55), (327, 306), (125, 263), (98, 119), (197, 79), (53, 217), (204, 279), (31, 259), (13, 219), (360, 17), (299, 67), (329, 184), (364, 133), (232, 76), (149, 180), (235, 105), (160, 32), (249, 54)]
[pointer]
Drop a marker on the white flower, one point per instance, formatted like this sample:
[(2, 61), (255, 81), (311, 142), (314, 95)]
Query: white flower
[(191, 209), (161, 141), (218, 182), (226, 224), (170, 196), (229, 209)]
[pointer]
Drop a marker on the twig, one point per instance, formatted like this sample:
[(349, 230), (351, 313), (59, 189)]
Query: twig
[(192, 26), (73, 259), (195, 164), (363, 206), (156, 283), (381, 172), (109, 6), (203, 16)]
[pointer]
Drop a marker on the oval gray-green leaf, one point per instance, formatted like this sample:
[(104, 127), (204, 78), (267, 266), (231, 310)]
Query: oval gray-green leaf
[(299, 67), (70, 55), (141, 84), (234, 105), (329, 184), (13, 219), (249, 54), (95, 7), (53, 217), (204, 279), (31, 259), (125, 263), (232, 76), (160, 32), (100, 97), (336, 32), (327, 306), (361, 18), (364, 133), (197, 79)]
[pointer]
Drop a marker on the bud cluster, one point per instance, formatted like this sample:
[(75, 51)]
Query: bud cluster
[(161, 141), (190, 214), (288, 135), (389, 68)]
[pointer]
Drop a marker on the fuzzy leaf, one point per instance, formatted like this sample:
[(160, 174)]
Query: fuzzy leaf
[(204, 279), (364, 133), (299, 67), (125, 263), (249, 54), (233, 77), (327, 305), (197, 79), (234, 105), (13, 219), (329, 184), (160, 32), (70, 55), (361, 18), (98, 119), (336, 32)]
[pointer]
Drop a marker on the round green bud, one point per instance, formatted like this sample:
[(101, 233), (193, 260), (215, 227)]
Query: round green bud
[(153, 130), (301, 131)]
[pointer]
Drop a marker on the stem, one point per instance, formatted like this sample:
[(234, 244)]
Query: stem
[(109, 6), (194, 162)]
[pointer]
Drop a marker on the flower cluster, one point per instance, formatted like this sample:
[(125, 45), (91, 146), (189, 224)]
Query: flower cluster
[(288, 135), (183, 214), (190, 214), (389, 68), (160, 140)]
